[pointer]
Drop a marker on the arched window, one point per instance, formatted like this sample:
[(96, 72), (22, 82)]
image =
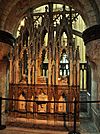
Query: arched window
[(44, 64), (46, 40), (64, 64), (64, 39)]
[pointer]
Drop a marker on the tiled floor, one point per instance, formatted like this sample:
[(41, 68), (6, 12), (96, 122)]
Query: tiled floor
[(86, 127)]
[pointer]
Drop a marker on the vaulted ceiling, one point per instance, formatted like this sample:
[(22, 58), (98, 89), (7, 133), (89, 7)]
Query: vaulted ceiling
[(12, 11)]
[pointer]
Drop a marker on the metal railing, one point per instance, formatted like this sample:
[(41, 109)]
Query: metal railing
[(75, 102)]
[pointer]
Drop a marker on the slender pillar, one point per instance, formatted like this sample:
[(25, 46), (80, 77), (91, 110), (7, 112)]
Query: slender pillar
[(78, 67), (49, 68), (71, 67), (57, 63), (53, 73), (29, 75), (17, 71), (74, 72), (29, 72), (36, 72), (33, 74)]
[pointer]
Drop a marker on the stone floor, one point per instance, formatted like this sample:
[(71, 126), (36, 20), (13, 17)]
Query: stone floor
[(86, 127)]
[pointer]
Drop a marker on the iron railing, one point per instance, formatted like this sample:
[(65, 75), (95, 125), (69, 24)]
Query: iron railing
[(75, 102)]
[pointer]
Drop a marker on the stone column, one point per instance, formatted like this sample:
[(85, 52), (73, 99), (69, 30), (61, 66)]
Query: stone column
[(3, 75), (3, 71), (91, 38), (6, 42), (78, 67), (93, 53), (4, 49)]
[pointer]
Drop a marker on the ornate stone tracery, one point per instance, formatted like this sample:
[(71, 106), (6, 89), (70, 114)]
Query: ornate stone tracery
[(46, 71)]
